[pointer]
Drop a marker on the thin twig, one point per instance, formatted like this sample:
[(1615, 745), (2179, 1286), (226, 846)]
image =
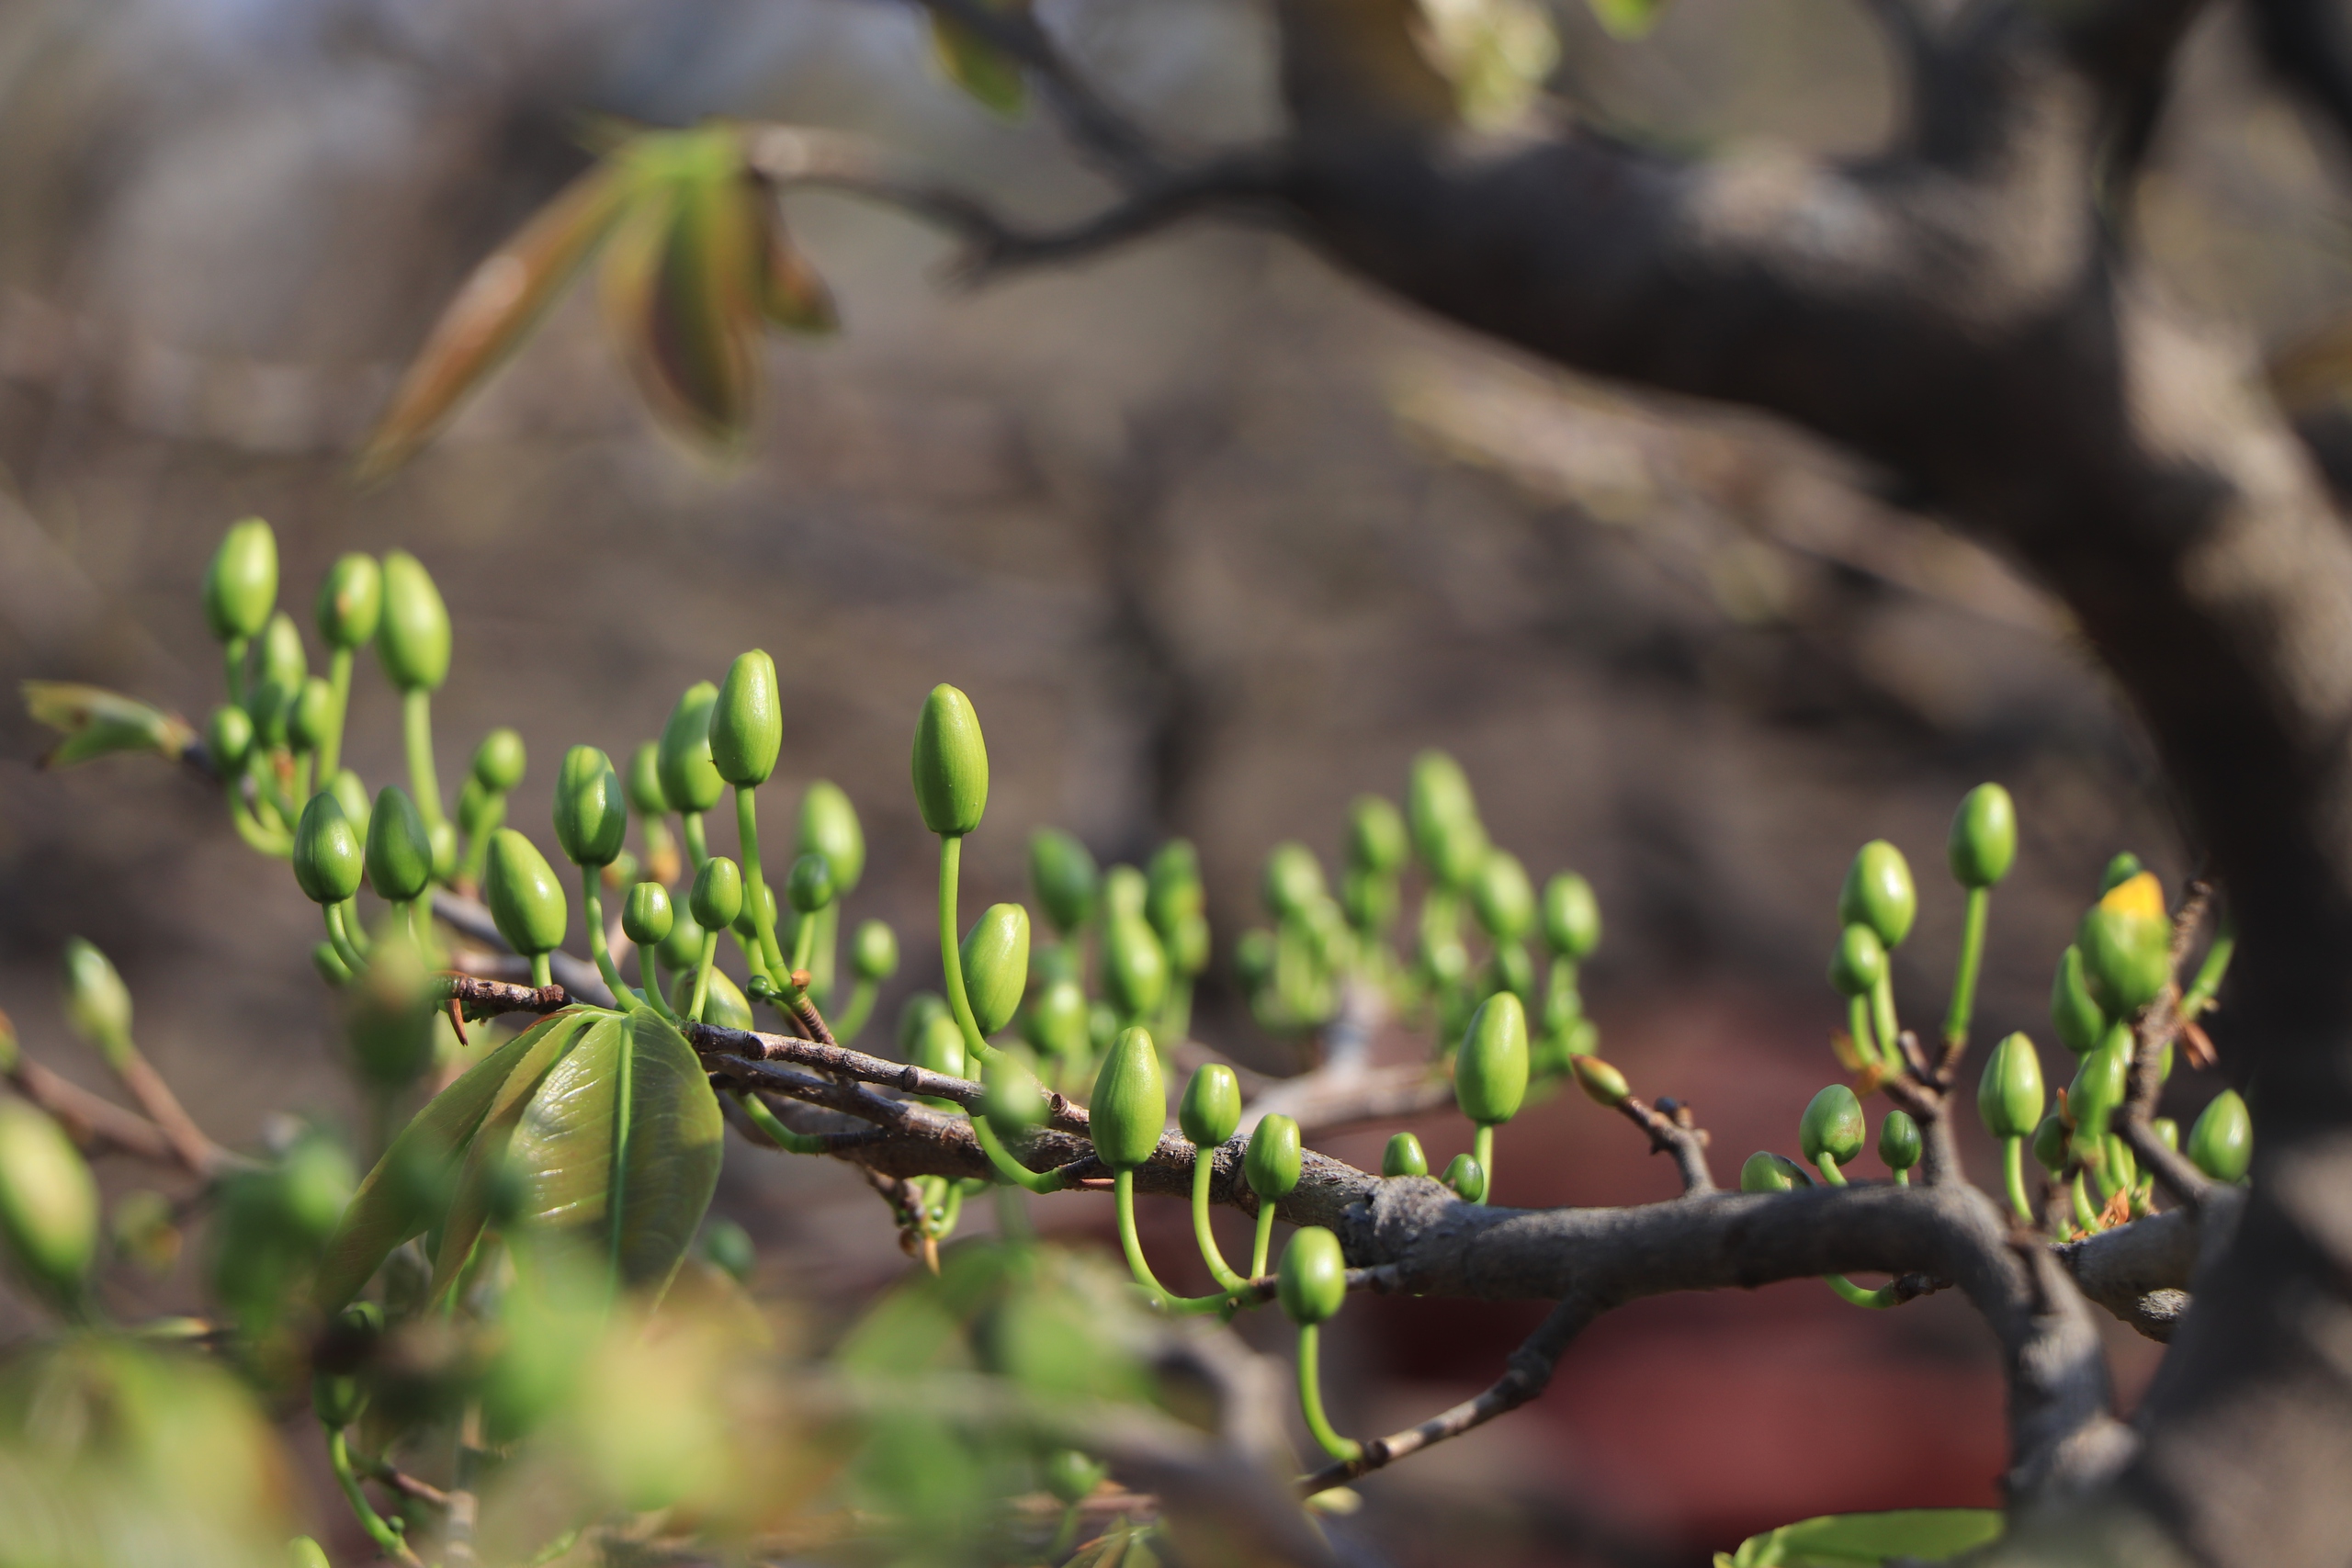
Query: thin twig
[(1673, 1131), (97, 1125), (2159, 1025), (1100, 132)]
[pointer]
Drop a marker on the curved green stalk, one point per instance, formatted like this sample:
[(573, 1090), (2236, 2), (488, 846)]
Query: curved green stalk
[(1882, 1020), (650, 971), (302, 777), (1011, 1169), (804, 944), (1482, 1149), (273, 841), (389, 1539), (951, 956), (1264, 1241), (747, 833), (339, 680), (2013, 1174), (1829, 1172), (493, 817), (1204, 1172), (1310, 1398), (416, 731), (701, 997), (539, 975), (343, 930), (690, 830), (1882, 1298), (1123, 1188), (591, 910), (232, 658), (2211, 973), (853, 1020), (1972, 958), (1176, 1013), (2085, 1217), (784, 1137)]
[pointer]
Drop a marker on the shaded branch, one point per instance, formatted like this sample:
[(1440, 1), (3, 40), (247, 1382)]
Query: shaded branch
[(97, 1125), (1105, 135)]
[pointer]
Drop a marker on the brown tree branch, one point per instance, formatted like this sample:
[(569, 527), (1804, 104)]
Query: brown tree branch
[(1103, 134), (1673, 1131)]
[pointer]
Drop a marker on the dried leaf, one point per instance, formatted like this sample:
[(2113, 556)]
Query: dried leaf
[(682, 296), (99, 723), (498, 306), (792, 294)]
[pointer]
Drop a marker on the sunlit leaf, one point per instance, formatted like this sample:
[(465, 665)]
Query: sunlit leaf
[(486, 1152), (621, 1142), (988, 73), (1853, 1540), (1498, 54), (497, 307), (1627, 20), (99, 723), (399, 1198)]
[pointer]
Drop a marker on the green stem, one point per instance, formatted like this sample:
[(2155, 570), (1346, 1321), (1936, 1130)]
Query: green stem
[(951, 957), (1176, 1013), (1858, 1024), (747, 833), (339, 678), (690, 828), (1011, 1169), (493, 814), (1882, 1020), (302, 777), (2085, 1217), (1884, 1296), (387, 1540), (592, 910), (232, 657), (1971, 958), (1264, 1243), (702, 976), (2211, 973), (650, 971), (784, 1137), (2013, 1173), (540, 974), (1065, 1535), (268, 840), (804, 944), (1203, 1172), (1310, 1398), (1123, 1187), (852, 1021), (416, 731), (1829, 1172), (1482, 1149)]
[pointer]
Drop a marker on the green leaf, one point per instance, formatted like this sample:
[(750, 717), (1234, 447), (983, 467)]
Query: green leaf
[(622, 1139), (988, 73), (99, 723), (1854, 1541), (399, 1198), (469, 1208), (1627, 20)]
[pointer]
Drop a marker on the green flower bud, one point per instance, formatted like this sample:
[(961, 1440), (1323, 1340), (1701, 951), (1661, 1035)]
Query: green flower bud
[(390, 1013), (2008, 1097), (647, 916), (1571, 917), (1254, 957), (351, 602), (1490, 1070), (2222, 1142), (1502, 897), (1369, 898), (1056, 1023), (311, 714), (1899, 1144), (1879, 893), (1467, 1177), (328, 861), (728, 1247), (2121, 869), (443, 835), (1983, 842), (1134, 966), (339, 1399), (242, 586), (1292, 883), (412, 640), (49, 1205), (2126, 944), (1602, 1083), (1014, 1102), (499, 761), (97, 1002), (1768, 1172), (915, 1015), (1403, 1156), (1274, 1161), (591, 815), (1377, 841), (1859, 963), (400, 851), (283, 663), (2080, 1022), (723, 1008), (526, 899), (2167, 1132), (645, 797), (809, 887), (1071, 1476), (996, 964), (1211, 1108), (2050, 1143), (268, 702), (228, 737), (1172, 895), (683, 947), (828, 826), (1130, 1102), (1062, 871), (690, 780), (874, 952), (1832, 1126), (1444, 819), (2099, 1083), (747, 722), (1126, 895), (938, 1046), (1312, 1280), (304, 1553), (716, 897), (951, 763), (1188, 946), (352, 795)]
